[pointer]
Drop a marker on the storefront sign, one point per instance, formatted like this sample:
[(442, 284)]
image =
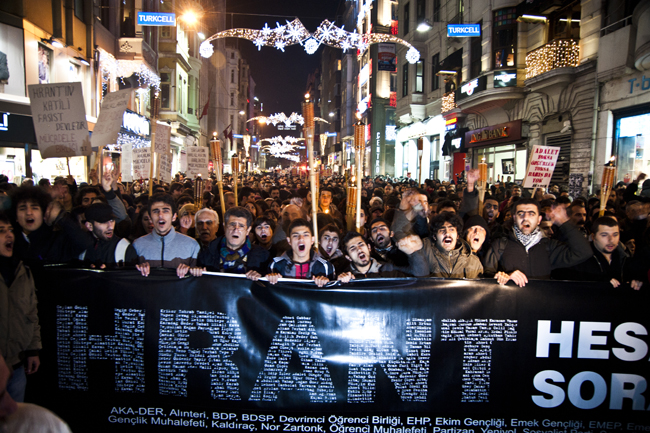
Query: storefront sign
[(639, 84), (162, 138), (197, 161), (156, 19), (451, 124), (135, 123), (381, 356), (471, 87), (377, 152), (463, 30), (386, 58), (59, 116), (504, 133), (110, 118), (141, 163), (541, 166), (507, 78)]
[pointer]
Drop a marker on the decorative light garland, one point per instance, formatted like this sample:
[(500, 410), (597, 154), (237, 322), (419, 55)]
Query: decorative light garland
[(294, 118), (294, 32), (126, 68), (284, 141), (448, 102), (557, 54), (391, 132)]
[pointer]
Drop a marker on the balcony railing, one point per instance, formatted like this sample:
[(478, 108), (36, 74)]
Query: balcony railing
[(448, 101), (560, 53)]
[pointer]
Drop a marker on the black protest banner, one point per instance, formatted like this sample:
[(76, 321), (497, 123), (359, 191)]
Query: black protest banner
[(124, 352)]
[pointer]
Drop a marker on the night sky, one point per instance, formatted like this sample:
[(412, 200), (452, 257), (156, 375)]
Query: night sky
[(280, 78)]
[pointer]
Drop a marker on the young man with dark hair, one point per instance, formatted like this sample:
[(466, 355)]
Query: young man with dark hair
[(329, 238), (608, 263), (86, 195), (37, 242), (263, 229), (384, 247), (301, 261), (326, 206), (108, 249), (527, 253), (164, 247), (234, 253)]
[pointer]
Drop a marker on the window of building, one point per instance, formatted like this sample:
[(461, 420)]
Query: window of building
[(79, 9), (407, 21), (435, 67), (436, 11), (405, 79), (165, 85), (127, 18), (504, 39), (420, 10), (166, 32), (565, 23), (419, 76), (632, 135), (232, 99), (105, 13), (232, 75), (232, 54), (475, 52), (179, 101)]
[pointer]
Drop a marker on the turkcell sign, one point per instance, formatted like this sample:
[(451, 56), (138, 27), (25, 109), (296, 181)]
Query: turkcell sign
[(156, 19), (463, 30)]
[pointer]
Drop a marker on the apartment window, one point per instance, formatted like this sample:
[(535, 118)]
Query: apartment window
[(420, 10), (504, 38), (105, 13), (166, 32), (232, 75), (232, 54), (79, 9), (565, 23), (407, 21), (419, 76), (475, 53), (405, 79), (179, 101), (435, 67), (127, 18), (436, 11), (165, 86), (232, 99)]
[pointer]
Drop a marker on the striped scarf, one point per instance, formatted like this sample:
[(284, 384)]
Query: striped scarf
[(234, 261)]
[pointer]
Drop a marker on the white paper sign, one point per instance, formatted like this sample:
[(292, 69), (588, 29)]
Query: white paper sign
[(127, 162), (110, 118), (141, 162), (165, 167), (541, 166), (197, 161), (162, 138), (59, 119)]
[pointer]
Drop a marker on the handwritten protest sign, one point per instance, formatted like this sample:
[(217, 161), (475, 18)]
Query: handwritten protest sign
[(541, 166), (110, 118), (163, 136), (127, 162), (165, 166), (141, 162), (197, 161), (59, 119)]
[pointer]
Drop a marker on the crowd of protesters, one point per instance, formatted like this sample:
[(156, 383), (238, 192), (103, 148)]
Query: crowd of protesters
[(438, 229)]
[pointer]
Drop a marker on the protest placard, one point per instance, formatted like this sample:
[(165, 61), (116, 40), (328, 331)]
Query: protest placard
[(141, 162), (110, 118), (165, 167), (59, 119), (127, 162), (541, 166), (163, 137), (197, 161)]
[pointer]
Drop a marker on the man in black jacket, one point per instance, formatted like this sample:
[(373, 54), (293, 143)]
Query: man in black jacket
[(108, 249), (384, 247), (234, 253), (526, 253), (608, 263)]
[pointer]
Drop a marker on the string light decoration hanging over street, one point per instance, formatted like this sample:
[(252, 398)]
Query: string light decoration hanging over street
[(275, 119), (294, 32)]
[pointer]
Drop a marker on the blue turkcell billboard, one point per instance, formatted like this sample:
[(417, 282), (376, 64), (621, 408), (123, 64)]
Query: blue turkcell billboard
[(463, 30), (156, 19)]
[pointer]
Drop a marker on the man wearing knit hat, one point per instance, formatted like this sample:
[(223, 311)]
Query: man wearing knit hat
[(475, 232)]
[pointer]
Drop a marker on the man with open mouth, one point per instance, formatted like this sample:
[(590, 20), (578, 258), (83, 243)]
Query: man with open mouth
[(301, 261), (328, 246), (234, 253), (384, 247)]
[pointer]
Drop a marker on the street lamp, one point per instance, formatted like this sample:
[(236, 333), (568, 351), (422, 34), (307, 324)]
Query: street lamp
[(424, 26)]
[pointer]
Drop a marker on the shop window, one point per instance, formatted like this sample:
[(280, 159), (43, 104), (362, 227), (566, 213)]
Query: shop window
[(632, 146), (436, 11), (405, 80), (475, 52), (435, 67), (44, 64), (419, 76), (504, 40), (165, 86), (407, 21), (565, 23)]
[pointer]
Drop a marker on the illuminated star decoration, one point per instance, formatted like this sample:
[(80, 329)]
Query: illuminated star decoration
[(281, 147), (294, 118), (294, 32)]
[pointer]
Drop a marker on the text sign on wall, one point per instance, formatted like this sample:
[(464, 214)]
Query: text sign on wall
[(463, 30), (59, 117), (382, 356), (541, 166), (156, 19), (471, 87), (110, 118)]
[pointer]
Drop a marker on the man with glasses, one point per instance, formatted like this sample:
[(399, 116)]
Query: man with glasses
[(234, 253)]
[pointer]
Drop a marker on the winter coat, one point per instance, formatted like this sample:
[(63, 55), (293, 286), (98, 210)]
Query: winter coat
[(257, 258), (318, 266), (457, 263)]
